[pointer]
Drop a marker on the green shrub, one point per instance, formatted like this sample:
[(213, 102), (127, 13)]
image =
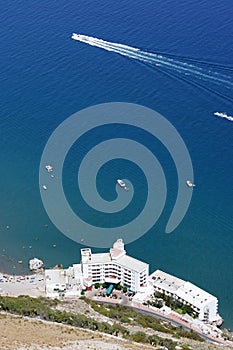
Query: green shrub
[(139, 337), (44, 309)]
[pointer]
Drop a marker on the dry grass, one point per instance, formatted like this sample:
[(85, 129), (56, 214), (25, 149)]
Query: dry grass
[(19, 334)]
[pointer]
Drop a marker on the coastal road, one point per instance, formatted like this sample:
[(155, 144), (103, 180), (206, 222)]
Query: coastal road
[(176, 323), (124, 301)]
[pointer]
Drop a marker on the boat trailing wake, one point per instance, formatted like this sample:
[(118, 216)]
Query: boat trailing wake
[(167, 63), (224, 115)]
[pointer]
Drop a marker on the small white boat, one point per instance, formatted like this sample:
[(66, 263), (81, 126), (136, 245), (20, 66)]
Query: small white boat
[(121, 183), (49, 168), (190, 184), (44, 187)]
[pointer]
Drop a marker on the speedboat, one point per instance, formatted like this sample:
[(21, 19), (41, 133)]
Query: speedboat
[(49, 168), (77, 36), (44, 187), (190, 184), (121, 183)]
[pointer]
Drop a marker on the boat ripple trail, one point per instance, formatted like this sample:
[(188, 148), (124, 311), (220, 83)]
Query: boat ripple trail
[(158, 60), (109, 114), (224, 116)]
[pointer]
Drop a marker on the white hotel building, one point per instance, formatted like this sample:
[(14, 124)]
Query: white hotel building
[(203, 303), (116, 267), (113, 267)]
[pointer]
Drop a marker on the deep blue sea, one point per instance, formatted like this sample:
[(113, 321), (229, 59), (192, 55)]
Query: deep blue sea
[(45, 77)]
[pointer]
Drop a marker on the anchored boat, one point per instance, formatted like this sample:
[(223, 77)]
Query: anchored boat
[(121, 183), (190, 184)]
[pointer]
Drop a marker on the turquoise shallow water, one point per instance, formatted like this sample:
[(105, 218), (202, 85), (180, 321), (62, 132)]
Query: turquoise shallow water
[(45, 77)]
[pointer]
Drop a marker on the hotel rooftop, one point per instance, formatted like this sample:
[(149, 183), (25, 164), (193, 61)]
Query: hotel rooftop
[(116, 267), (202, 302)]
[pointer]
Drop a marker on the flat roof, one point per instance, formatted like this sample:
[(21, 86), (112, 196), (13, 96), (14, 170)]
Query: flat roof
[(125, 261), (132, 263), (55, 276), (195, 295), (100, 258), (183, 289), (166, 281)]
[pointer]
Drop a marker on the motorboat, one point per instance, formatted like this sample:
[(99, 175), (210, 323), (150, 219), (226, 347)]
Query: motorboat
[(44, 187), (49, 168), (190, 184), (121, 183)]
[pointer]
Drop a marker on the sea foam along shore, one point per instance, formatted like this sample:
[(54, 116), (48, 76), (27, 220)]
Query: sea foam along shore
[(15, 285)]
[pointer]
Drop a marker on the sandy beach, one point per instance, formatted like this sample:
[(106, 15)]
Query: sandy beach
[(15, 285)]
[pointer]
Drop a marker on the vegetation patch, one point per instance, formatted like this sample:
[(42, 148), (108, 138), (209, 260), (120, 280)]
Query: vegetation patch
[(126, 314), (176, 305), (44, 309)]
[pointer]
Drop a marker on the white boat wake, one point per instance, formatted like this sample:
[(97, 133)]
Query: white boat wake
[(160, 61), (224, 115)]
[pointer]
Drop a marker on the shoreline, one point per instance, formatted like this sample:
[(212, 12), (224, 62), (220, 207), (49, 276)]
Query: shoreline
[(22, 284), (33, 285), (10, 266)]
